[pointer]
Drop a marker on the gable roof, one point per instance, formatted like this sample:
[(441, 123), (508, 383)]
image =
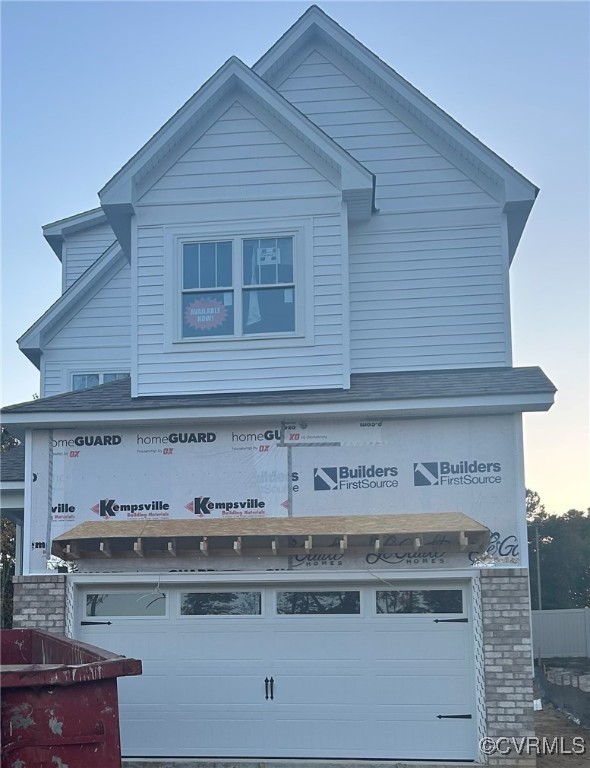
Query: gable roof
[(118, 195), (481, 389), (56, 231), (86, 286), (517, 193)]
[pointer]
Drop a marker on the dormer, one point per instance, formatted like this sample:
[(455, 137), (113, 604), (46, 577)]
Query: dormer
[(235, 218), (147, 178)]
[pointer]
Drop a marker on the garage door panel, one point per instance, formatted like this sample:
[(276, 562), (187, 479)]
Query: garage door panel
[(224, 643), (441, 690), (126, 640), (327, 735), (147, 687), (346, 685), (417, 644), (337, 687), (296, 643), (219, 688), (434, 739), (187, 730)]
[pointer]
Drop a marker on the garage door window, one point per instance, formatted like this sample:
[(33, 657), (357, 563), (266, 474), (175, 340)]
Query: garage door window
[(132, 604), (419, 601), (307, 603), (221, 604)]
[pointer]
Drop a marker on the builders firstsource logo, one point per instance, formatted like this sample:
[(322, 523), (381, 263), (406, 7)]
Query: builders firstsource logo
[(354, 478), (457, 473)]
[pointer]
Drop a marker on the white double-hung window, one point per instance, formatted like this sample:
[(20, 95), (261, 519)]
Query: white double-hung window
[(239, 286)]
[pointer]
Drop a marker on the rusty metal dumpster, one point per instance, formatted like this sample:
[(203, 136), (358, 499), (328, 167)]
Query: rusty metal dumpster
[(59, 701)]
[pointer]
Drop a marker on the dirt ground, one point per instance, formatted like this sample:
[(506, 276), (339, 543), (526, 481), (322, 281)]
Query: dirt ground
[(552, 723)]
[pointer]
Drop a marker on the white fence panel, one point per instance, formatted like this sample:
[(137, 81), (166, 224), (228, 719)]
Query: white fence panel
[(561, 633)]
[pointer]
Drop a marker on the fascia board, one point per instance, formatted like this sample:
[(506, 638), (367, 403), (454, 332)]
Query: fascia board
[(120, 189), (299, 31), (416, 408), (75, 223), (69, 302), (275, 121), (517, 187), (56, 231), (112, 190), (353, 174)]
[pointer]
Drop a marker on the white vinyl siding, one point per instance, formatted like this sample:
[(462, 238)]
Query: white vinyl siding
[(430, 298), (411, 175), (96, 338), (245, 364), (428, 284), (52, 378), (82, 249), (61, 364), (238, 158)]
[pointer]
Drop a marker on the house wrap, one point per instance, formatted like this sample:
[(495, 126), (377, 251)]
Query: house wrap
[(278, 449)]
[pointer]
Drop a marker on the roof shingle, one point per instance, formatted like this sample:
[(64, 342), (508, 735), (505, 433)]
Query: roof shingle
[(402, 385), (12, 464)]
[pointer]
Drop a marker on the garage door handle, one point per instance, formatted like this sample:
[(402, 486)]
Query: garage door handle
[(454, 717), (450, 621), (266, 687), (272, 688)]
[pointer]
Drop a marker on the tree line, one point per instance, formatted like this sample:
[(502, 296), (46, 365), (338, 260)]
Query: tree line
[(563, 555)]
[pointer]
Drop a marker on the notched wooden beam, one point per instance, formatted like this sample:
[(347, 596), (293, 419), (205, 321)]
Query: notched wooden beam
[(105, 548)]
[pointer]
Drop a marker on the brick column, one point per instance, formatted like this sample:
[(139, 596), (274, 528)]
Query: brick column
[(508, 659), (40, 602)]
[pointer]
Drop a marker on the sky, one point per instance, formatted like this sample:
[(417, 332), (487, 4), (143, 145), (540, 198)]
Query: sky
[(85, 84)]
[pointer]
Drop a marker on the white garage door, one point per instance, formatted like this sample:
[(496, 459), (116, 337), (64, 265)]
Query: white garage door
[(334, 672)]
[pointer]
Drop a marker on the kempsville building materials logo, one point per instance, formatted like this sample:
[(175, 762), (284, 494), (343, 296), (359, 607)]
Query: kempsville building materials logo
[(427, 473), (202, 505), (111, 507), (354, 478)]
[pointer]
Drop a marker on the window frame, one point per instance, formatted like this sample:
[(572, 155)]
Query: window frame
[(301, 232), (94, 372), (112, 589), (316, 616), (401, 586), (192, 589)]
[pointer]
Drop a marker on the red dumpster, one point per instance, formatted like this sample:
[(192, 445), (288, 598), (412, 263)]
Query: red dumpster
[(59, 701)]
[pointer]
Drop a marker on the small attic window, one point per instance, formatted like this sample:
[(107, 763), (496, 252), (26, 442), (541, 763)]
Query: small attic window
[(86, 380)]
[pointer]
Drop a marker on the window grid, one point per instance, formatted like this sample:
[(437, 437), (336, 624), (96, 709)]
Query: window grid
[(259, 299)]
